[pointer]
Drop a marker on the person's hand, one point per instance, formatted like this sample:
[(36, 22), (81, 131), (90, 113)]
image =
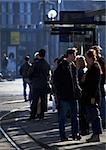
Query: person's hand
[(92, 100)]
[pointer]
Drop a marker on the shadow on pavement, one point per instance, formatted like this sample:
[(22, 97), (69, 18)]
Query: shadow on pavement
[(46, 131)]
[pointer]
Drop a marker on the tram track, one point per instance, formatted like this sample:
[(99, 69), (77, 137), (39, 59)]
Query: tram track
[(9, 139), (6, 135), (12, 131), (17, 136)]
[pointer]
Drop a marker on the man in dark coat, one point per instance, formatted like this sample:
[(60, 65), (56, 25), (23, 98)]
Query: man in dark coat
[(39, 75), (65, 81), (26, 81)]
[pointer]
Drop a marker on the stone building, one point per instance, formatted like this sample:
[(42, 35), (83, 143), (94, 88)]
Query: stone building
[(23, 30)]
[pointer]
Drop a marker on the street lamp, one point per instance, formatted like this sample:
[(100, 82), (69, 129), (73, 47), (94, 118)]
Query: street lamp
[(52, 14)]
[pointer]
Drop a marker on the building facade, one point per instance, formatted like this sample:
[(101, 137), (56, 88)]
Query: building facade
[(23, 32)]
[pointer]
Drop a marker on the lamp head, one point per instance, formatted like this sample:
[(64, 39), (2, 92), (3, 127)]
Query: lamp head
[(52, 14)]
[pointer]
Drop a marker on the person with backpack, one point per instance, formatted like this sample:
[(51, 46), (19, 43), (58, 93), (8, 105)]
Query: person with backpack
[(24, 72)]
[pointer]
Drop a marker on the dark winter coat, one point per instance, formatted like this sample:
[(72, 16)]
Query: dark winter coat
[(24, 69), (102, 83), (39, 73), (63, 81), (92, 85)]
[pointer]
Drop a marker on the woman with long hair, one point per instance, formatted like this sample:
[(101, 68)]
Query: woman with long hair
[(81, 66), (91, 95)]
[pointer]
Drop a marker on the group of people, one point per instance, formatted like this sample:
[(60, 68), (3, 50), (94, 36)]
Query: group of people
[(77, 81), (36, 75)]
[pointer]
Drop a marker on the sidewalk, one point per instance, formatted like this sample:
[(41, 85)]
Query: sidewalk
[(46, 132)]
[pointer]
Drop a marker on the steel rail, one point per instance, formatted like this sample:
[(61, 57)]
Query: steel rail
[(10, 139)]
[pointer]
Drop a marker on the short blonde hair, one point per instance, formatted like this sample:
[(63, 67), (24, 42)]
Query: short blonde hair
[(81, 60)]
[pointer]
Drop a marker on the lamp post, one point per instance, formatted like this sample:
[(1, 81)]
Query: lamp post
[(0, 50), (52, 14), (58, 17), (59, 7)]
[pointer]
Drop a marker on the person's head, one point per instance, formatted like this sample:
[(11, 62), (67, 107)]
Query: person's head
[(36, 55), (80, 61), (90, 57), (71, 54), (97, 49), (42, 53), (27, 58)]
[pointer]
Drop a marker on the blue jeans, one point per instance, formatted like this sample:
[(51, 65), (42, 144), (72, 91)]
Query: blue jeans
[(103, 110), (93, 116), (63, 108), (26, 82)]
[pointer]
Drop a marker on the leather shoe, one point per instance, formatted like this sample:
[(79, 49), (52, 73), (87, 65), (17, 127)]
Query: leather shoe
[(31, 118), (93, 138), (64, 139), (75, 137)]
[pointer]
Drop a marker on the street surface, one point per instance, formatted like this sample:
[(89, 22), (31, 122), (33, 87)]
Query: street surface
[(11, 98)]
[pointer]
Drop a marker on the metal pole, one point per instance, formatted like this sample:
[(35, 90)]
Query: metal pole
[(94, 36), (0, 50), (57, 36), (44, 12), (43, 29)]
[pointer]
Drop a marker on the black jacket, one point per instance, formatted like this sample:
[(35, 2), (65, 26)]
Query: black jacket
[(39, 73), (92, 85), (24, 69), (102, 83), (63, 81)]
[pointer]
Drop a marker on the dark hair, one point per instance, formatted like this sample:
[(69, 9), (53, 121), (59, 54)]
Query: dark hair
[(27, 58), (71, 51), (96, 47), (42, 52), (91, 54)]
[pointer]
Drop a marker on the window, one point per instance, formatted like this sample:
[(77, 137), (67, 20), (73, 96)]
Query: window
[(3, 10), (10, 13), (22, 18), (28, 13), (23, 37)]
